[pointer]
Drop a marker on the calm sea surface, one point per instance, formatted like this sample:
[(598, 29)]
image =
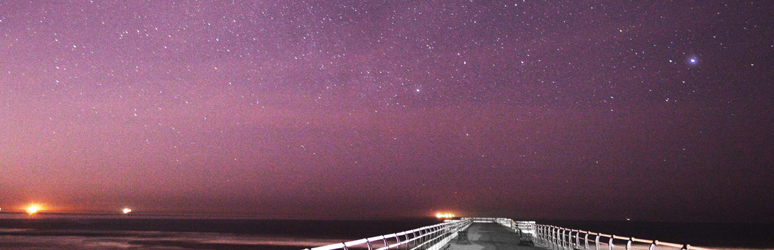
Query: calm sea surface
[(136, 232), (19, 231)]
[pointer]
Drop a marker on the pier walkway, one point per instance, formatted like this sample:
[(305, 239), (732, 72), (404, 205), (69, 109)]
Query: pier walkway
[(489, 236), (482, 233)]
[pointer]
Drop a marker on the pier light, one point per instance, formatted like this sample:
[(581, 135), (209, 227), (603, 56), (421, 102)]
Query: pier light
[(444, 215), (126, 210)]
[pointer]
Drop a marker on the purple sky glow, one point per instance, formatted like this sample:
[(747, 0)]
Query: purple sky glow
[(350, 109)]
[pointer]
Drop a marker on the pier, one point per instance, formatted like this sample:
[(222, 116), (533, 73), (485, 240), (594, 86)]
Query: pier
[(478, 233), (490, 236)]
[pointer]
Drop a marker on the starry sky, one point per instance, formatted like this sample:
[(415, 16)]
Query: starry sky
[(599, 110)]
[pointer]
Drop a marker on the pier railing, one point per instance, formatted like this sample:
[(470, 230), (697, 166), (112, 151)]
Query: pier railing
[(428, 238), (572, 239), (434, 237), (522, 227)]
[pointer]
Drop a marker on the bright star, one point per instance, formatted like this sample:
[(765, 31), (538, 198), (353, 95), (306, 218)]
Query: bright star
[(693, 61)]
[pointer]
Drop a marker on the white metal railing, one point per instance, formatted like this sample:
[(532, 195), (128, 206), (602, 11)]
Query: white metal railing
[(420, 238), (528, 227), (571, 238), (521, 227), (435, 236), (481, 219)]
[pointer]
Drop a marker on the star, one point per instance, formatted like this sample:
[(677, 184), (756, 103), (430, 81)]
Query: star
[(693, 60)]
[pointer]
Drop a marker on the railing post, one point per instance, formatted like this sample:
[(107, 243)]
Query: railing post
[(610, 246), (587, 239), (385, 242), (559, 233), (556, 237), (596, 241), (577, 239), (560, 236), (537, 232), (571, 239), (574, 240), (629, 244), (570, 242)]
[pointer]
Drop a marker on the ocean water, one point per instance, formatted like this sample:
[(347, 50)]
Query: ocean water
[(20, 231), (153, 232)]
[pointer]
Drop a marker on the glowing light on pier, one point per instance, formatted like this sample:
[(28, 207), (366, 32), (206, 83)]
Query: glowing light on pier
[(126, 210), (444, 215)]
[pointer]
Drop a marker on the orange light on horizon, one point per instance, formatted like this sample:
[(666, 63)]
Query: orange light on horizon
[(33, 209), (444, 215), (126, 210)]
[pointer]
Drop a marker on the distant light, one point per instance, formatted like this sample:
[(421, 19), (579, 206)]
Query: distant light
[(693, 61), (33, 209), (126, 211), (444, 215)]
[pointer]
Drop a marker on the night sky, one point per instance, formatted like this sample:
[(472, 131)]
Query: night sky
[(599, 110)]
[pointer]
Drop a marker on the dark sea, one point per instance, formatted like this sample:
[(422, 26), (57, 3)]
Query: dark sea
[(42, 231), (19, 231)]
